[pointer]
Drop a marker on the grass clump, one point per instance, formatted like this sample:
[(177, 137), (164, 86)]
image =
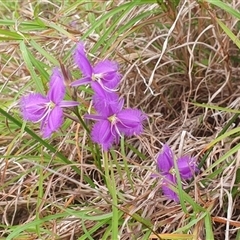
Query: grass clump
[(179, 62)]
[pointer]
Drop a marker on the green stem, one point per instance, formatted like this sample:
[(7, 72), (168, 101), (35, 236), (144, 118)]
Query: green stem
[(111, 185), (94, 147), (75, 110)]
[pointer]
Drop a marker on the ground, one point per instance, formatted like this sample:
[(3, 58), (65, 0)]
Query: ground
[(180, 65)]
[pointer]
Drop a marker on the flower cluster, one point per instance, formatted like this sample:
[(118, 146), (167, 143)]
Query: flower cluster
[(165, 166), (112, 120)]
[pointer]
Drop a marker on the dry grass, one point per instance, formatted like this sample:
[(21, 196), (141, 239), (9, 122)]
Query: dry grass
[(168, 62)]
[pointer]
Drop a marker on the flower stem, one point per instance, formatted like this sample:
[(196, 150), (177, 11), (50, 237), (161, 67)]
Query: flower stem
[(75, 110), (111, 185)]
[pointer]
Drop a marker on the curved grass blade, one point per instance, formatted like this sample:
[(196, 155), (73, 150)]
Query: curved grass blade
[(225, 7), (225, 128), (229, 32), (27, 60)]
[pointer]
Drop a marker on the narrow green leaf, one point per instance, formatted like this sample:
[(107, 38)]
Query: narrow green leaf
[(23, 26), (112, 27), (229, 33), (47, 55), (41, 67), (224, 157), (106, 17), (72, 7), (208, 227), (31, 225), (61, 30), (223, 136), (191, 223), (83, 214), (27, 60), (225, 7), (224, 109), (121, 30), (238, 235), (10, 35), (235, 190), (92, 230)]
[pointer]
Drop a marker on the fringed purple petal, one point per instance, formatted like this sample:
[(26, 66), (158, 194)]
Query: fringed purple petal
[(167, 191), (105, 103), (82, 61), (94, 117), (105, 66), (57, 88), (33, 106), (187, 167), (101, 134), (53, 122), (165, 159), (130, 121), (82, 81), (109, 72)]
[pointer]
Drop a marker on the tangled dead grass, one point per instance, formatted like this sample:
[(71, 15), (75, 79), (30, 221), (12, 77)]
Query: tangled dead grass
[(169, 61)]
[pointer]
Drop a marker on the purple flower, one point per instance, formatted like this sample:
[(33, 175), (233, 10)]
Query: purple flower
[(103, 100), (112, 120), (104, 73), (47, 109), (165, 164)]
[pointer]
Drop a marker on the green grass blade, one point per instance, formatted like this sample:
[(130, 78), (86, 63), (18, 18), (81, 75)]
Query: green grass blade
[(235, 190), (208, 227), (47, 55), (224, 157), (40, 67), (68, 9), (92, 230), (223, 136), (191, 223), (126, 165), (121, 30), (224, 109), (229, 33), (31, 225), (61, 30), (225, 7), (66, 212), (238, 235), (110, 180), (27, 60), (115, 210), (11, 35)]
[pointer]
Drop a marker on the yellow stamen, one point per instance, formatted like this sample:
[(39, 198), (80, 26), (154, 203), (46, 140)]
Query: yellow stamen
[(112, 119), (51, 105), (172, 171)]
